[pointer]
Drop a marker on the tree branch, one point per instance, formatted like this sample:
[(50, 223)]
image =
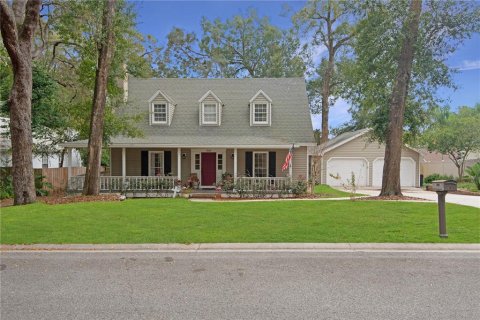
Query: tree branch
[(9, 32)]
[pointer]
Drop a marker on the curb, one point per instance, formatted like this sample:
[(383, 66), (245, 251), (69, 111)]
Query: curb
[(217, 247)]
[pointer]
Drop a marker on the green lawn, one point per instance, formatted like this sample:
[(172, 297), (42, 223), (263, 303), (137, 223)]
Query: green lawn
[(183, 221), (325, 191)]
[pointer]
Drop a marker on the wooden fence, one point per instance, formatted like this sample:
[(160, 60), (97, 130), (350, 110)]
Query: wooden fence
[(58, 177)]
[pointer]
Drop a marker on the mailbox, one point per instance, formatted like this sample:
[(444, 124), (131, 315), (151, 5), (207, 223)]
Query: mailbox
[(444, 185)]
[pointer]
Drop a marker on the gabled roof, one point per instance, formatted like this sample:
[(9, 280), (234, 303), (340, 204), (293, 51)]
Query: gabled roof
[(341, 140), (164, 95), (260, 92), (209, 93), (291, 121)]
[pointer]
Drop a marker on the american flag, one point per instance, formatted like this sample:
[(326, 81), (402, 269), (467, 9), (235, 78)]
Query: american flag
[(288, 159)]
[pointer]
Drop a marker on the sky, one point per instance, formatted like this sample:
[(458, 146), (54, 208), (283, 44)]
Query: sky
[(159, 17)]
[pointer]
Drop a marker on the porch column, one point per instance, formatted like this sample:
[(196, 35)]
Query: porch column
[(290, 170), (179, 163), (69, 166), (235, 164), (124, 163)]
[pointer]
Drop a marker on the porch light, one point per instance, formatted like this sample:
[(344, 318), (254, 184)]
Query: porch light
[(233, 155), (184, 156)]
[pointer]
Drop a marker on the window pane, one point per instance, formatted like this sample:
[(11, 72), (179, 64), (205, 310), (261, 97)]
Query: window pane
[(156, 164), (260, 114), (260, 161), (160, 113), (209, 113)]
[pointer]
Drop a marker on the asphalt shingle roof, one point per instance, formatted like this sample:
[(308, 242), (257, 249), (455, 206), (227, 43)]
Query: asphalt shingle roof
[(291, 122)]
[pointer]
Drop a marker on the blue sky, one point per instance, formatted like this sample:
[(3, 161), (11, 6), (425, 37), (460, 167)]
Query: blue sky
[(159, 17)]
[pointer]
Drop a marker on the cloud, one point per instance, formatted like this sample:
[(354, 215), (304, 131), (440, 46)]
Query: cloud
[(469, 65)]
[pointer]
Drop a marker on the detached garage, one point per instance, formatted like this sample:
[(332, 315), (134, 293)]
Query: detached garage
[(351, 152)]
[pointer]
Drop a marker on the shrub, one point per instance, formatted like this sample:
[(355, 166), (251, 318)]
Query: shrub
[(474, 172), (6, 185), (41, 186), (436, 176), (299, 187)]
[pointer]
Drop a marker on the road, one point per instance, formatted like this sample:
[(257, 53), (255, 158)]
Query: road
[(240, 285)]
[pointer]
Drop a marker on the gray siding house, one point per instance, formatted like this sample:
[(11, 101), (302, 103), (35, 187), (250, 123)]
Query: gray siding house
[(209, 127)]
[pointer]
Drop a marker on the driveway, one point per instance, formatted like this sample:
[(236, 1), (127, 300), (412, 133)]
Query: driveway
[(472, 201)]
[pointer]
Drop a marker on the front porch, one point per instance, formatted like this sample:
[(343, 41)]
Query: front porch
[(161, 169)]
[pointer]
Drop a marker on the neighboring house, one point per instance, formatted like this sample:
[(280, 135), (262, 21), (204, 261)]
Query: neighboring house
[(434, 162), (209, 127), (353, 152), (46, 161)]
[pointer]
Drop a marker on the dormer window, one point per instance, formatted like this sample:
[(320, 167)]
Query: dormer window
[(162, 108), (159, 113), (260, 109), (210, 113), (260, 113)]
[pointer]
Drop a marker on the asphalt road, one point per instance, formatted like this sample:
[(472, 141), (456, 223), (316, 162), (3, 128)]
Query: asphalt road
[(265, 285)]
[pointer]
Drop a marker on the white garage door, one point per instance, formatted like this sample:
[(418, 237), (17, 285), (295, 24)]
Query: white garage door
[(407, 172), (342, 168)]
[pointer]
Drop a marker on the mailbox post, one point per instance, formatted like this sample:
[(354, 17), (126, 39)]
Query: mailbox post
[(442, 187)]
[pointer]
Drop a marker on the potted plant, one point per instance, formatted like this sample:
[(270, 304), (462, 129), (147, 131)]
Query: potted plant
[(193, 181)]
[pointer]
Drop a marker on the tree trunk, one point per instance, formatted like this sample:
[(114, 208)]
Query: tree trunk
[(92, 175), (18, 28), (394, 139), (326, 86)]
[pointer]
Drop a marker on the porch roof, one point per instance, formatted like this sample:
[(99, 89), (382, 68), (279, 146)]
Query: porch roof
[(193, 142)]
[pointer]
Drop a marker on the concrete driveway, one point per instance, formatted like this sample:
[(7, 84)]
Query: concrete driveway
[(472, 201)]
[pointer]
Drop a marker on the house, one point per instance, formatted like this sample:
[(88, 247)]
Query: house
[(352, 152), (38, 161), (210, 127), (434, 162)]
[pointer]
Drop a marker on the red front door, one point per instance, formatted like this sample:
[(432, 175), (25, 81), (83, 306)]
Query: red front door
[(209, 169)]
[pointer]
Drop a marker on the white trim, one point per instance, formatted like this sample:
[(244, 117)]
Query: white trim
[(402, 158), (362, 158), (209, 92), (152, 112), (253, 163), (217, 117), (267, 115), (149, 160), (235, 163), (179, 163), (260, 92)]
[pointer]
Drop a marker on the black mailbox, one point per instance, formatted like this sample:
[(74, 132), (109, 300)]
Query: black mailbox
[(444, 185)]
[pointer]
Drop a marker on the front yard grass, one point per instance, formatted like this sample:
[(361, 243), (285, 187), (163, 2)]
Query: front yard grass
[(183, 221), (325, 191)]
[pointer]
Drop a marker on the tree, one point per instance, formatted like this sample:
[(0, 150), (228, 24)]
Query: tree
[(105, 52), (457, 136), (370, 79), (394, 139), (17, 26), (243, 46), (332, 25)]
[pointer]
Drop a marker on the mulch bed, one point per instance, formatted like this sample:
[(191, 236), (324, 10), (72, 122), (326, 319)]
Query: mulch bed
[(62, 199), (392, 198)]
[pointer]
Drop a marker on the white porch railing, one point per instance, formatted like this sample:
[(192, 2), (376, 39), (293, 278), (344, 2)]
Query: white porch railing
[(264, 183), (117, 184)]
